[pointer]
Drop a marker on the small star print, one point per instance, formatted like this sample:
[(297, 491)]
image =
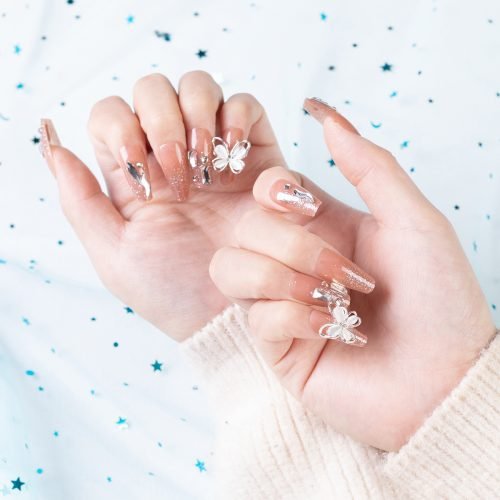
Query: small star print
[(157, 366), (17, 484), (122, 423), (386, 67), (201, 54), (35, 140), (323, 16), (130, 19), (200, 465), (165, 36), (331, 162), (405, 144), (128, 310)]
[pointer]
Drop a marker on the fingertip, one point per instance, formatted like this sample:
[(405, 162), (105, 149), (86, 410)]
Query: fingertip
[(280, 189)]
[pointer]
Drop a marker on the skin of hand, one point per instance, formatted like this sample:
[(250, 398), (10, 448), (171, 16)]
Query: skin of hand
[(426, 320), (154, 255)]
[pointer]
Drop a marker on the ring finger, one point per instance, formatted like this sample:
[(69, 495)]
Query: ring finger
[(156, 105)]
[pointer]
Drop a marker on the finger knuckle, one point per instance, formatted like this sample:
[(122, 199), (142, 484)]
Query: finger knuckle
[(196, 76), (149, 80), (256, 317), (243, 103), (294, 240), (105, 105), (217, 264)]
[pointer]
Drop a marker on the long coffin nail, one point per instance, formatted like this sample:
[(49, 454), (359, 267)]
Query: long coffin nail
[(294, 197), (48, 139), (173, 161), (134, 164), (199, 156), (232, 135), (334, 266), (320, 110)]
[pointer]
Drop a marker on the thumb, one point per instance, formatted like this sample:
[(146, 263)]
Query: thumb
[(388, 191)]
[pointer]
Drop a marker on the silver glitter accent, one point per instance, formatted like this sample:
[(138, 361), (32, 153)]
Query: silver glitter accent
[(299, 198)]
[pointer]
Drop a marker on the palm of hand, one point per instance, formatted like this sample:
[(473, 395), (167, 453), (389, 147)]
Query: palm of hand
[(160, 265), (421, 340)]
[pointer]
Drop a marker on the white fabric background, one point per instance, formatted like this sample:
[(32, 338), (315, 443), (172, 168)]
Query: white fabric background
[(445, 51)]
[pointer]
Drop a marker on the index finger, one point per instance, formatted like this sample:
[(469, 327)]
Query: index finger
[(388, 191)]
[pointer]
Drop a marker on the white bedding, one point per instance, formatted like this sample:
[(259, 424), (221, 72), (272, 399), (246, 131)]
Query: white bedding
[(74, 360)]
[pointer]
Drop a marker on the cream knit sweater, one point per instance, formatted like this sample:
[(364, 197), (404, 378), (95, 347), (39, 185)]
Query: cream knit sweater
[(269, 447)]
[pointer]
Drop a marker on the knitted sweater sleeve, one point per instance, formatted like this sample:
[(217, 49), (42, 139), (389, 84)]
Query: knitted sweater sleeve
[(268, 446)]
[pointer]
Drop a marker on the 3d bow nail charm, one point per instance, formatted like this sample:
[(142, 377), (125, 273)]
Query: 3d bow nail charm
[(223, 157), (342, 326)]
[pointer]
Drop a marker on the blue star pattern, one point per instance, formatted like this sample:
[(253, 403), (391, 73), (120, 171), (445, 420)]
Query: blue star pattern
[(200, 466), (17, 484), (123, 415), (157, 366)]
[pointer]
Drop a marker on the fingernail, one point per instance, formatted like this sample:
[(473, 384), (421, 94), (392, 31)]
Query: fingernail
[(48, 139), (199, 156), (231, 135), (136, 171), (301, 288), (334, 266), (173, 161), (321, 110), (294, 197)]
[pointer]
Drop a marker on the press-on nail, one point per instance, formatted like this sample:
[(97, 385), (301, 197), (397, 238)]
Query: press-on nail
[(294, 197), (334, 266), (48, 139), (173, 161), (320, 110)]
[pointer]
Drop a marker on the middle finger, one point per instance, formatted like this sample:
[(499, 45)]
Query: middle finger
[(156, 105), (293, 245)]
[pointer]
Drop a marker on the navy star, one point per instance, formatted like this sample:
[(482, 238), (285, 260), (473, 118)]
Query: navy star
[(35, 140), (331, 162), (129, 310), (201, 54), (161, 34), (17, 484), (386, 67), (157, 366)]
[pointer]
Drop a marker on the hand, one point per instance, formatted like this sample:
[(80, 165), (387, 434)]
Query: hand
[(426, 321), (154, 255)]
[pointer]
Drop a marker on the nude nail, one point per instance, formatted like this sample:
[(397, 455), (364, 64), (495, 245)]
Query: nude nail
[(321, 110), (200, 156), (173, 161), (332, 265), (48, 139), (294, 197), (301, 288), (134, 164)]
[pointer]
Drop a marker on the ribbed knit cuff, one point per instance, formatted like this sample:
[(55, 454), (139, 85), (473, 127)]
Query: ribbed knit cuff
[(225, 357), (456, 452)]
